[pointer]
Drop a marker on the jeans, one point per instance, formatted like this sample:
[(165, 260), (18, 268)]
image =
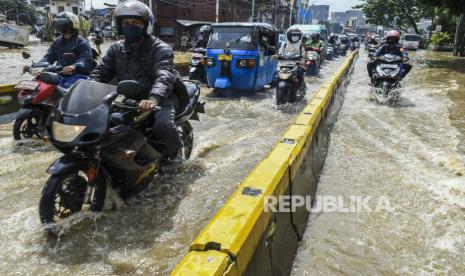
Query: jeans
[(165, 129)]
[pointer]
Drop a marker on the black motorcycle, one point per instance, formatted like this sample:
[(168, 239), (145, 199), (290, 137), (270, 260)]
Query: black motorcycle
[(386, 78), (197, 66), (288, 89), (105, 142), (371, 48)]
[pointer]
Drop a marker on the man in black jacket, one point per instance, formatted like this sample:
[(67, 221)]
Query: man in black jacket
[(149, 61)]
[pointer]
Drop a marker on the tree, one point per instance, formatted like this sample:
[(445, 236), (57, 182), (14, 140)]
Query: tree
[(402, 13), (18, 10), (456, 7)]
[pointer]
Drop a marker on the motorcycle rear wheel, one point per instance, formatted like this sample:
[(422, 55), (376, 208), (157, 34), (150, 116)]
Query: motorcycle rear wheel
[(187, 136)]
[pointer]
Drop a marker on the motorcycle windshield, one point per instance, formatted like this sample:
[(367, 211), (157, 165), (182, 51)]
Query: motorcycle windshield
[(85, 96)]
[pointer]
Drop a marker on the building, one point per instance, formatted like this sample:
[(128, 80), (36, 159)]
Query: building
[(56, 6), (348, 17), (175, 17), (320, 12)]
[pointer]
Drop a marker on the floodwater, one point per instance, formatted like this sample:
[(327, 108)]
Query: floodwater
[(151, 233), (407, 160)]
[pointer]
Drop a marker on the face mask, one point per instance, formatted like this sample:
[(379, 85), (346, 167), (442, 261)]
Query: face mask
[(295, 38), (132, 33)]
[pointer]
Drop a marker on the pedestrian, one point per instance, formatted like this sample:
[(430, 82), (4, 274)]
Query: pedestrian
[(184, 42), (98, 40)]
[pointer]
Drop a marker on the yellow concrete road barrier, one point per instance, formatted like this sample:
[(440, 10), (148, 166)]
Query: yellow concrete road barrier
[(242, 238)]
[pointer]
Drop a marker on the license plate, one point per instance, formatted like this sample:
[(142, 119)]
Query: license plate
[(389, 66), (287, 63), (225, 57), (27, 85)]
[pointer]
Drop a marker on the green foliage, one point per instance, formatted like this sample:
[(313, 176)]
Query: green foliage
[(84, 27), (20, 9), (441, 39), (401, 13)]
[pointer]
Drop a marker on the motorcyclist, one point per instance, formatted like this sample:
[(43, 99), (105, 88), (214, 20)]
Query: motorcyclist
[(372, 41), (69, 41), (204, 36), (294, 47), (346, 41), (391, 46), (332, 39), (315, 42), (149, 61)]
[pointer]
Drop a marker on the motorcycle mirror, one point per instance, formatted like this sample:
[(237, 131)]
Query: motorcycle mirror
[(69, 58), (129, 89), (25, 55)]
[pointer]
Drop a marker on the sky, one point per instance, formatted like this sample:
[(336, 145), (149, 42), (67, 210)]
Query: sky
[(336, 5)]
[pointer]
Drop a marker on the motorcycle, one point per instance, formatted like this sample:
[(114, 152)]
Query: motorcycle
[(343, 49), (107, 143), (38, 99), (371, 50), (197, 65), (386, 78), (287, 88), (330, 52), (313, 61)]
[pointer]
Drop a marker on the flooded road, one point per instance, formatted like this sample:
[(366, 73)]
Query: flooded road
[(151, 233), (413, 156)]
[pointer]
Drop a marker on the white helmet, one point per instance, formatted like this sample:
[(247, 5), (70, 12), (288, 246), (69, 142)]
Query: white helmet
[(134, 9), (65, 21)]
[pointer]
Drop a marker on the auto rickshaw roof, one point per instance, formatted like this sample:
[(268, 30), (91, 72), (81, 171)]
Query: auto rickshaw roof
[(267, 26)]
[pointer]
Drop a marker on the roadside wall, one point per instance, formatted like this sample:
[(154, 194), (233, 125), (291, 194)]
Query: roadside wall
[(243, 239)]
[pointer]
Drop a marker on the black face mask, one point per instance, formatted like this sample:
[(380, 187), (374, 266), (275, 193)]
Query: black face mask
[(132, 33)]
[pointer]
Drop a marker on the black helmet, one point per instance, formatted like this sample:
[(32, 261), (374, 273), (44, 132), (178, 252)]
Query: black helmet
[(134, 9), (315, 36), (304, 39), (205, 30), (294, 35), (65, 21)]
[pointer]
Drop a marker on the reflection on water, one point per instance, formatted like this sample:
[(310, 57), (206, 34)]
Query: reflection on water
[(414, 156)]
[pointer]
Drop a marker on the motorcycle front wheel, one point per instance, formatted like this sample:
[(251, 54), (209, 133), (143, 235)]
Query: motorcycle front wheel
[(26, 128), (65, 194), (282, 94)]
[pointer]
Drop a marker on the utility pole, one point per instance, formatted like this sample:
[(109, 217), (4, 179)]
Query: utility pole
[(253, 10), (217, 11)]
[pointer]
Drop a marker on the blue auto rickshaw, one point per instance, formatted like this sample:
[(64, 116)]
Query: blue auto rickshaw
[(240, 56)]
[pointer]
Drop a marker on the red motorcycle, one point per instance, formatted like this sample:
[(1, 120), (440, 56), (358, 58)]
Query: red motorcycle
[(39, 97)]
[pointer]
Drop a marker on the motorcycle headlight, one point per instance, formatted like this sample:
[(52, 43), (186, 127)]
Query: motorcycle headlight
[(285, 75), (66, 133)]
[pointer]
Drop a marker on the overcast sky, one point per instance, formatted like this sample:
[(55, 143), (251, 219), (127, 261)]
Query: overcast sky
[(336, 5)]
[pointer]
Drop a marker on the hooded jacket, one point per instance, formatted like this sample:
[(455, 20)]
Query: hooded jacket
[(150, 64)]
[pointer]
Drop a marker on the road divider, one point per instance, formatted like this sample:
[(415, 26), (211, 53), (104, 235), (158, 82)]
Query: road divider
[(244, 239)]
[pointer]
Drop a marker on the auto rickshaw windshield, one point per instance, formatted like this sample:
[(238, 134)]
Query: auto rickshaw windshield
[(238, 38)]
